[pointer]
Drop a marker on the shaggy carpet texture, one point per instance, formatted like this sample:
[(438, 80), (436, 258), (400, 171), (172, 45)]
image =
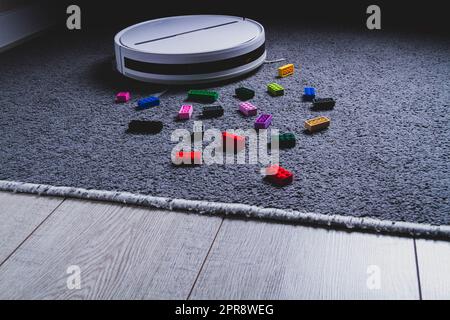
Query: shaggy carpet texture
[(385, 156)]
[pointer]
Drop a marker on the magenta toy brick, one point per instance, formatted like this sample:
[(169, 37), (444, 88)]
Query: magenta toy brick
[(123, 97), (263, 121), (247, 109), (185, 112)]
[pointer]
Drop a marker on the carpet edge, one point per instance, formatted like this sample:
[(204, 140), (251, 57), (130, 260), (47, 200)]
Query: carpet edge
[(234, 209)]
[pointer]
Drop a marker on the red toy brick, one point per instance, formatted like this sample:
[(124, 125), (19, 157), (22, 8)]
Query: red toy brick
[(278, 175)]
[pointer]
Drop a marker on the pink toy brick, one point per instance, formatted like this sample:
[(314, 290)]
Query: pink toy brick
[(247, 109), (185, 112), (123, 97)]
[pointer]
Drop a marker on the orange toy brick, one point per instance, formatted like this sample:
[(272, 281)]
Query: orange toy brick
[(317, 124), (278, 175)]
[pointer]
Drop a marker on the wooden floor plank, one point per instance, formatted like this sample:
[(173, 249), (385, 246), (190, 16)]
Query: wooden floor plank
[(122, 252), (20, 214), (434, 269), (258, 260)]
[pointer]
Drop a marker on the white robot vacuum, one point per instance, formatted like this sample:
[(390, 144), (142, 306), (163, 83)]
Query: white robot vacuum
[(190, 49)]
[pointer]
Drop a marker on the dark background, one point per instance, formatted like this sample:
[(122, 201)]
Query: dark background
[(414, 16)]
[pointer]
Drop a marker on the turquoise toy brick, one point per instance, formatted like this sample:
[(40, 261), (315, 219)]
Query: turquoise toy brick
[(244, 93), (285, 140)]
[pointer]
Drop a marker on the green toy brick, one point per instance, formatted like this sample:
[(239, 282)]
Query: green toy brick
[(202, 95), (244, 93), (285, 140), (275, 89)]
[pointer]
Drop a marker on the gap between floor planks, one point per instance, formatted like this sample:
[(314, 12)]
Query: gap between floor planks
[(20, 216), (123, 252), (325, 286), (257, 260)]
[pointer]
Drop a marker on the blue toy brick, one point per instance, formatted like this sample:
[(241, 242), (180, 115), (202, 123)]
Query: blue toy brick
[(310, 94), (148, 102)]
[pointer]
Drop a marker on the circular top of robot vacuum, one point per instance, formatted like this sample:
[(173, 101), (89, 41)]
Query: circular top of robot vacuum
[(199, 35)]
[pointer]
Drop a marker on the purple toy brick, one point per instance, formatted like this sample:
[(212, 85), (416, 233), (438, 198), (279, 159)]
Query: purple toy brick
[(247, 109), (263, 121), (123, 97), (185, 112)]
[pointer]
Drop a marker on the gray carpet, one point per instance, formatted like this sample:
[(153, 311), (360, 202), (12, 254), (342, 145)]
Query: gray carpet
[(386, 154)]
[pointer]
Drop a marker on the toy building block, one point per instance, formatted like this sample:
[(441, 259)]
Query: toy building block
[(148, 102), (278, 175), (188, 157), (202, 96), (316, 124), (263, 121), (275, 89), (212, 111), (144, 127), (123, 97), (244, 93), (310, 94), (247, 109), (229, 139), (285, 140), (323, 103), (286, 70), (185, 112)]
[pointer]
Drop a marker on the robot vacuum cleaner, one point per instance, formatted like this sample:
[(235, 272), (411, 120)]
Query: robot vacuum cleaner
[(190, 49)]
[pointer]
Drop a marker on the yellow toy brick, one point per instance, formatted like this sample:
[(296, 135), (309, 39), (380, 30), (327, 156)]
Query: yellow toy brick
[(316, 124), (286, 70)]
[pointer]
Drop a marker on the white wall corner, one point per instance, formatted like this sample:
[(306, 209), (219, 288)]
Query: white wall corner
[(22, 22)]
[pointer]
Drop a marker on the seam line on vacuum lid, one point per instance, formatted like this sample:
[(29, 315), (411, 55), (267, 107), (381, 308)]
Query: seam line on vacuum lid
[(186, 32)]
